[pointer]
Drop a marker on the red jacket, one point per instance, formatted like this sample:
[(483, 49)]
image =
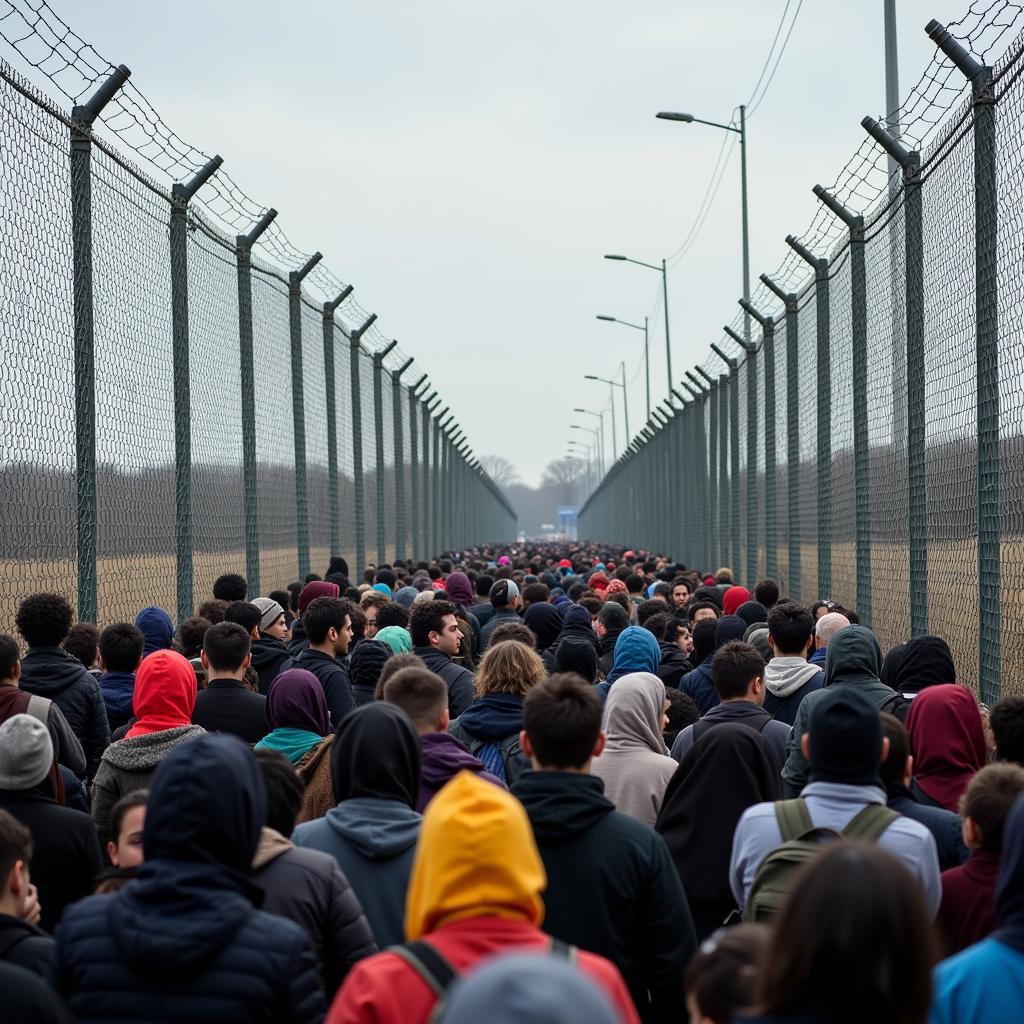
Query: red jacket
[(967, 913), (384, 989)]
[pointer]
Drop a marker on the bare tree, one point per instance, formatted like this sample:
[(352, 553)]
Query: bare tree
[(562, 476), (500, 470)]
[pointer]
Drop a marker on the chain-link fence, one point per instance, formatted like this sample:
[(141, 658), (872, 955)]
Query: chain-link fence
[(183, 392), (881, 460)]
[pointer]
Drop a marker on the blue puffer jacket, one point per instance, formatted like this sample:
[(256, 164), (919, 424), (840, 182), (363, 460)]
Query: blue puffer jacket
[(183, 942)]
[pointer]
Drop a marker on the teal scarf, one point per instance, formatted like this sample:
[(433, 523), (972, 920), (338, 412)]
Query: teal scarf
[(293, 743)]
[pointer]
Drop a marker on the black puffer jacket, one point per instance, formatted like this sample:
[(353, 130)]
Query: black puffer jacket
[(307, 887), (674, 665), (459, 680), (268, 655), (52, 672), (183, 942)]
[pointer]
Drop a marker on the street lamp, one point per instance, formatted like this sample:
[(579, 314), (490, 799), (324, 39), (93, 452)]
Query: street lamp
[(612, 384), (667, 115), (647, 352), (664, 291), (600, 416)]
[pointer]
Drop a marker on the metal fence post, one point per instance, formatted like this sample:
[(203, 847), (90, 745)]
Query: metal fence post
[(83, 117), (401, 518), (181, 194), (917, 510), (378, 430), (243, 249), (724, 503), (333, 495), (752, 503), (436, 484), (734, 457), (771, 562), (712, 500), (359, 501), (414, 468), (433, 400), (299, 411)]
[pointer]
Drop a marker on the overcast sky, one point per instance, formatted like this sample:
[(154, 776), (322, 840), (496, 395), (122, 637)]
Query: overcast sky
[(466, 163)]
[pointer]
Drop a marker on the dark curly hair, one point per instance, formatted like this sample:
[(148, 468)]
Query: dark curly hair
[(230, 587), (44, 620)]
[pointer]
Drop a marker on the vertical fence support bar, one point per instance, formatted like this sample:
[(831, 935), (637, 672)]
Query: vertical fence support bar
[(356, 392), (414, 470), (426, 516), (861, 449), (330, 395), (824, 428), (771, 524), (378, 433), (725, 527), (713, 550), (793, 541), (399, 486), (436, 484), (84, 340)]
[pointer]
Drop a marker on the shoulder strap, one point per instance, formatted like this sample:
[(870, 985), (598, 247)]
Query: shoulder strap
[(793, 818), (39, 708), (869, 823), (436, 972)]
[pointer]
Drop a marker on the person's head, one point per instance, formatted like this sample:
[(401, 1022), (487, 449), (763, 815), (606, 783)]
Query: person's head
[(212, 611), (371, 603), (314, 589), (433, 624), (767, 593), (986, 804), (296, 700), (82, 642), (704, 640), (675, 632), (634, 584), (535, 593), (422, 695), (121, 646), (682, 711), (44, 619), (790, 628), (680, 592), (357, 622), (164, 695), (509, 667), (1006, 720), (844, 742), (127, 820), (396, 664), (157, 629), (392, 614), (273, 621), (191, 633), (365, 663), (574, 654), (376, 754), (512, 630), (283, 598), (700, 611), (226, 651), (328, 625), (724, 576), (26, 753), (636, 650), (246, 615), (285, 790), (10, 660), (826, 626), (866, 948), (721, 976), (230, 587), (482, 585), (562, 724), (15, 855), (635, 713), (647, 609), (505, 595), (898, 766), (612, 619), (737, 671)]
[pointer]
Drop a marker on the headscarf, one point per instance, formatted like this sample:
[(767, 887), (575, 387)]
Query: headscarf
[(338, 566), (947, 740), (156, 627), (733, 598), (318, 588), (729, 627), (164, 695), (636, 650), (729, 769), (632, 713), (396, 637), (545, 621), (615, 586), (376, 754), (853, 658), (752, 612), (460, 590), (382, 588), (891, 664), (296, 700), (598, 581), (405, 596), (1010, 890), (924, 661)]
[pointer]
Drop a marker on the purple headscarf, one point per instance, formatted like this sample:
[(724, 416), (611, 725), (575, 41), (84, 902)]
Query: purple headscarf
[(460, 590), (296, 701)]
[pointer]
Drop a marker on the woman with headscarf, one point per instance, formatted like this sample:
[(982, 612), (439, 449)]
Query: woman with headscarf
[(635, 766), (733, 598), (397, 638), (163, 701), (372, 830), (300, 727), (917, 664), (309, 593), (460, 593), (545, 622), (947, 740), (729, 769)]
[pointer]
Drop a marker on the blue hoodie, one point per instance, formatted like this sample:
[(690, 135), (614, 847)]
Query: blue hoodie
[(118, 690), (636, 650), (157, 628)]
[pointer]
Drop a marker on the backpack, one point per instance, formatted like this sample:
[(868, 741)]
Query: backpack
[(438, 974), (493, 759), (801, 842)]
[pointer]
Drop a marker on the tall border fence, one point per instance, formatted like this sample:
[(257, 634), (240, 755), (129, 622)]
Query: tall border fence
[(182, 391), (865, 443)]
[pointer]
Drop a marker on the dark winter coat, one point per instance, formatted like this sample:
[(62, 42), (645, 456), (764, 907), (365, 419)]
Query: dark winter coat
[(183, 941), (612, 887), (333, 678), (29, 1000), (500, 615), (741, 712), (65, 854), (674, 665), (52, 672), (945, 826), (25, 945), (117, 690), (443, 758), (307, 887), (698, 685), (459, 680), (66, 746), (228, 706), (268, 655)]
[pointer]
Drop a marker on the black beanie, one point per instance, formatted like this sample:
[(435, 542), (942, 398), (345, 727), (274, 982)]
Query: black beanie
[(845, 738), (366, 662), (574, 654)]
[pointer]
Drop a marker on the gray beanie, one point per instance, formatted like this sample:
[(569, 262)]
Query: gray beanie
[(270, 611), (26, 752)]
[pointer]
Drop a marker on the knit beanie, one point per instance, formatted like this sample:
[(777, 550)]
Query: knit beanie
[(26, 752), (366, 662), (845, 738), (270, 611), (574, 654)]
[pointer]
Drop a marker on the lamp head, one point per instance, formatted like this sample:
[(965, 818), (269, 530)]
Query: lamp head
[(668, 115), (613, 257), (609, 318)]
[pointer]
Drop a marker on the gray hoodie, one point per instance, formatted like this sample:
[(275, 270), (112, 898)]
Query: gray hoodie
[(785, 675)]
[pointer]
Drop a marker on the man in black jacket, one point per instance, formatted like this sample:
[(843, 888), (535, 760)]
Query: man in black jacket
[(612, 886), (612, 619), (227, 704), (436, 638), (47, 670), (329, 631), (21, 942), (269, 646)]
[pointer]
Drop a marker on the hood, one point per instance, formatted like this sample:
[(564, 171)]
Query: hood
[(144, 753), (752, 612), (338, 565), (545, 621), (632, 714), (397, 639), (561, 805), (272, 844), (165, 693), (1010, 891), (636, 650), (729, 627), (460, 590), (376, 754), (202, 828), (733, 598), (156, 627), (377, 829), (318, 588), (118, 689), (575, 654), (405, 596), (296, 700), (853, 657), (46, 671), (493, 716), (919, 663), (266, 650), (785, 675), (443, 756), (366, 661), (476, 858)]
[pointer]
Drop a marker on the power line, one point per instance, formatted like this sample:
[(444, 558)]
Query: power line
[(771, 51), (754, 104)]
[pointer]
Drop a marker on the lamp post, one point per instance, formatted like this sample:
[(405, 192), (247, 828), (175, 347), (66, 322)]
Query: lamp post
[(667, 115), (600, 416), (612, 385), (647, 353), (595, 434), (664, 291)]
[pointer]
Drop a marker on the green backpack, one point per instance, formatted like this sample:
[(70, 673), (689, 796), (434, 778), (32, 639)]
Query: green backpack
[(801, 842)]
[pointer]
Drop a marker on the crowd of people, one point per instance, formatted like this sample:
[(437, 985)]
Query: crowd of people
[(559, 783)]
